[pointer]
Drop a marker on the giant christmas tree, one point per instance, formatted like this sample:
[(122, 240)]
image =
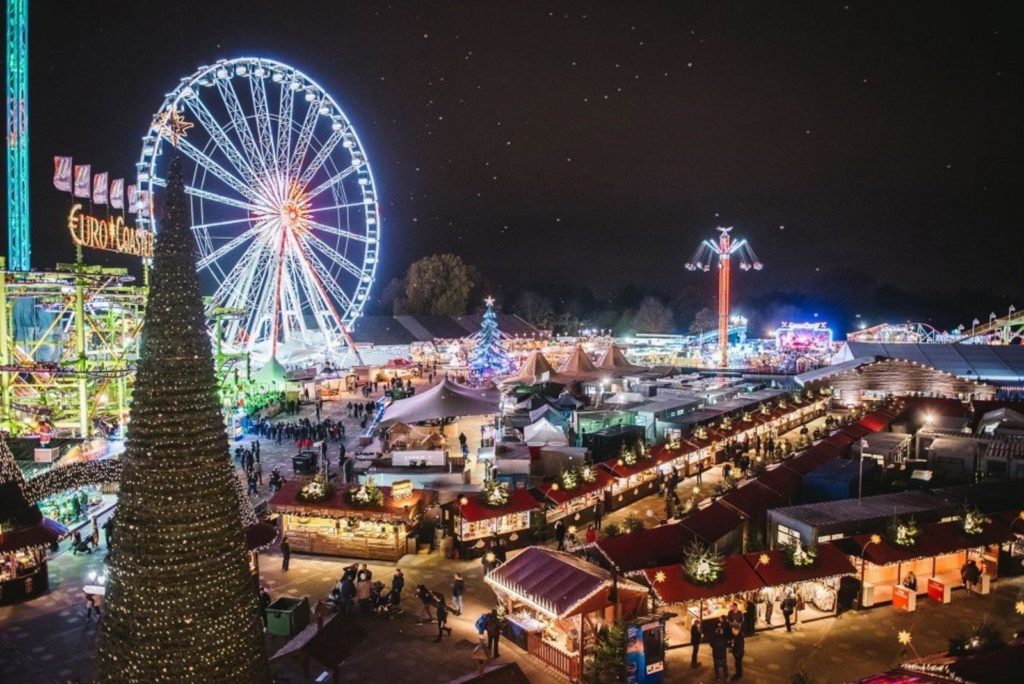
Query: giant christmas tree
[(181, 606), (489, 357)]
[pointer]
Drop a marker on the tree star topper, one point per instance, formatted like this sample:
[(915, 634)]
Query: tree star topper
[(173, 125)]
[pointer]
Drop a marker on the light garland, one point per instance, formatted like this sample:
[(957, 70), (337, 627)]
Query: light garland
[(496, 494), (903, 532), (368, 494), (703, 565), (974, 522), (315, 491), (797, 556)]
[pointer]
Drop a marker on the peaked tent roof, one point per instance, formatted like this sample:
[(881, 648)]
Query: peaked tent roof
[(532, 371), (578, 365), (444, 400), (612, 359), (272, 374)]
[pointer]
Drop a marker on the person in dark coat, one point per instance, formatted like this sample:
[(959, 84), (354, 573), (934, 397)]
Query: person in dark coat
[(458, 589), (286, 553), (788, 606), (442, 616), (398, 582), (720, 650), (696, 636), (493, 629), (560, 535), (737, 652), (264, 604)]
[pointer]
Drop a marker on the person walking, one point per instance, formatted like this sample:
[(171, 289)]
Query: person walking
[(442, 616), (264, 603), (598, 514), (720, 651), (493, 629), (258, 470), (426, 598), (737, 652), (286, 553), (458, 589), (788, 606), (560, 535), (398, 582), (696, 636)]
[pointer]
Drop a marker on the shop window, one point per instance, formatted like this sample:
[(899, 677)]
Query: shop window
[(786, 536)]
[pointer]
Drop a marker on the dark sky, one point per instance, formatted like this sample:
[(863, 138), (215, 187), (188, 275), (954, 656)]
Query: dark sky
[(599, 143)]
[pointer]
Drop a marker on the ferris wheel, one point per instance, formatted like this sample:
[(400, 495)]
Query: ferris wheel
[(284, 208)]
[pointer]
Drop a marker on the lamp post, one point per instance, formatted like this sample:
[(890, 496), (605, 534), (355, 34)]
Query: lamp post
[(873, 539)]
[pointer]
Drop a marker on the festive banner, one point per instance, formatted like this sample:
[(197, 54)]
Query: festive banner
[(62, 173), (83, 181), (117, 193), (133, 199), (99, 188)]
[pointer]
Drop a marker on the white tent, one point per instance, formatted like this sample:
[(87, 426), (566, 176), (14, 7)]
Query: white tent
[(543, 432), (624, 399), (444, 400)]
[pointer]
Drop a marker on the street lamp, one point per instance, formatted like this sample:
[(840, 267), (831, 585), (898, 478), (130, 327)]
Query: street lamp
[(873, 539)]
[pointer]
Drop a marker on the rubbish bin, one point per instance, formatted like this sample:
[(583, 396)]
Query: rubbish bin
[(287, 616)]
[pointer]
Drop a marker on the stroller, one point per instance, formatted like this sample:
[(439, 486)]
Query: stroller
[(385, 604)]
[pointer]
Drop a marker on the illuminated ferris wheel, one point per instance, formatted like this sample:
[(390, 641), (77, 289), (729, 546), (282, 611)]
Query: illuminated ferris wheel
[(284, 208)]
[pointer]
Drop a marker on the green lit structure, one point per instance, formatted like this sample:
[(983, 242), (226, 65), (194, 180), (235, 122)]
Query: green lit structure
[(18, 242)]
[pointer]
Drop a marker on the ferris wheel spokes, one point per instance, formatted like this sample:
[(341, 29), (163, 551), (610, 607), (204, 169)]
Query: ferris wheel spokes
[(221, 139)]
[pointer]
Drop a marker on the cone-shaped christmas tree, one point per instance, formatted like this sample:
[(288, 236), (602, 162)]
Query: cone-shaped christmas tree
[(489, 357), (181, 605)]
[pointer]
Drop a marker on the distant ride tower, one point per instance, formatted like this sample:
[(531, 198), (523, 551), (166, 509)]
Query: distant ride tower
[(18, 242), (701, 261)]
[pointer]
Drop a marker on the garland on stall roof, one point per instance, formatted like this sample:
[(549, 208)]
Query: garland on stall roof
[(631, 456), (903, 532), (798, 556), (316, 490), (368, 494), (974, 522), (571, 478), (703, 565), (496, 494)]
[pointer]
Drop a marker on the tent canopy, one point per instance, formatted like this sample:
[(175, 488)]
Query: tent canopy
[(273, 374), (444, 400), (543, 432), (578, 365), (612, 359)]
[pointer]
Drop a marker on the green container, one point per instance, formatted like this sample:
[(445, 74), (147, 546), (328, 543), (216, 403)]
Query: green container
[(287, 616)]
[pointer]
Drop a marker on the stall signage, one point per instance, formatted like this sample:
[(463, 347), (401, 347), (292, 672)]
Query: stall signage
[(938, 590), (111, 234), (904, 599)]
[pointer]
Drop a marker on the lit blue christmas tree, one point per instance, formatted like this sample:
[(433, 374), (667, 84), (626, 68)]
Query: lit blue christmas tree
[(489, 357)]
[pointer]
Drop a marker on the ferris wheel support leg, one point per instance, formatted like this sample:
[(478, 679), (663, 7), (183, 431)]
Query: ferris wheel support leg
[(351, 344)]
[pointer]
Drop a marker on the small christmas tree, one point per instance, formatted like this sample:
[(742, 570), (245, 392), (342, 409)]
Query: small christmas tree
[(181, 603), (489, 357)]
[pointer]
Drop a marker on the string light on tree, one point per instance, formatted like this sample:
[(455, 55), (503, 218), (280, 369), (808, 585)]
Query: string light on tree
[(181, 604), (489, 357)]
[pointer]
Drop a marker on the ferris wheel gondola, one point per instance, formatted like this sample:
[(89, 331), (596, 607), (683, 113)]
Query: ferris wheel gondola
[(283, 204)]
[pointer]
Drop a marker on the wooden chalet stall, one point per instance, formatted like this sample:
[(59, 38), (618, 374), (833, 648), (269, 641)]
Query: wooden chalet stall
[(575, 496), (555, 603), (737, 583), (474, 523), (817, 582), (636, 475), (379, 528), (936, 557)]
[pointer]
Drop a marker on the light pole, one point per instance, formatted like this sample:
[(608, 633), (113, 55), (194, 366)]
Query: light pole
[(873, 539)]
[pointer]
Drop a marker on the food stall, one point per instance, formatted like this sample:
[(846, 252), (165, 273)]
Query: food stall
[(357, 521), (812, 574), (935, 554), (554, 604), (498, 512), (574, 496), (728, 580), (637, 473)]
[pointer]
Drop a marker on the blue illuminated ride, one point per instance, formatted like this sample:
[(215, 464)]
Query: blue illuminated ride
[(284, 206)]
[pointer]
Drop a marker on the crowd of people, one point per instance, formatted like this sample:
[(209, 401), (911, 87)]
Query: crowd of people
[(722, 635)]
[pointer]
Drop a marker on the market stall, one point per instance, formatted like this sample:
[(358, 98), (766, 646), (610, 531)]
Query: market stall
[(636, 473), (498, 512), (935, 554), (554, 604), (364, 521), (812, 574), (575, 495), (705, 584)]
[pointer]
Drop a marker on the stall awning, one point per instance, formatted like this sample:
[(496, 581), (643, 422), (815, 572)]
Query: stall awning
[(645, 548), (474, 510), (556, 493), (338, 506), (831, 562), (713, 523), (781, 480), (937, 539), (556, 583), (659, 454), (444, 400), (670, 584), (752, 499)]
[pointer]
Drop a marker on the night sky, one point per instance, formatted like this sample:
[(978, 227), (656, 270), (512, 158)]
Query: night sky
[(597, 144)]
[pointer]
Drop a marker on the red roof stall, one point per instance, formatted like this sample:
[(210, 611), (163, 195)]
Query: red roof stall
[(717, 525), (342, 526), (474, 523), (555, 602), (632, 482), (631, 552), (576, 505)]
